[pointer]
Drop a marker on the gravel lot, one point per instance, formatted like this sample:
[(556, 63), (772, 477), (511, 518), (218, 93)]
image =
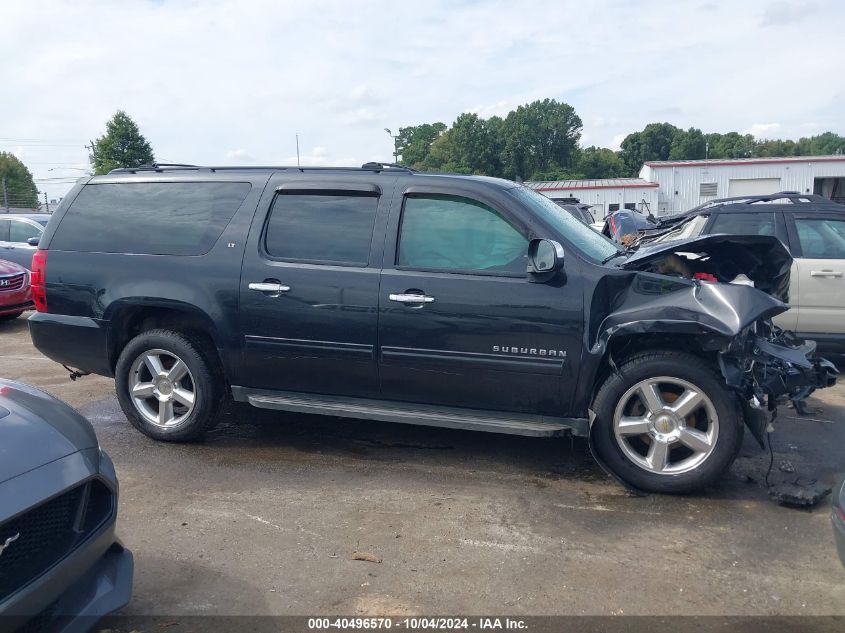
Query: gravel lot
[(263, 517)]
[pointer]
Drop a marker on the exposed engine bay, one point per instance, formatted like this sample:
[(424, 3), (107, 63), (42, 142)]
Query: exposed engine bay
[(759, 261)]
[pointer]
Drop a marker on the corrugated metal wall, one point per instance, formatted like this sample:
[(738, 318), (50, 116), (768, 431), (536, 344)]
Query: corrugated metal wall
[(602, 198), (680, 186)]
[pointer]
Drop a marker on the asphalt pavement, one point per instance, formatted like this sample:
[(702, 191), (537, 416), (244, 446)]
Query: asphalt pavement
[(264, 516)]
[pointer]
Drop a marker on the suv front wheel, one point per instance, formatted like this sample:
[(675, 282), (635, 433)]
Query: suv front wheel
[(168, 386), (666, 422)]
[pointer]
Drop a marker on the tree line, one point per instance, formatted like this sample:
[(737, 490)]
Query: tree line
[(536, 141), (540, 141)]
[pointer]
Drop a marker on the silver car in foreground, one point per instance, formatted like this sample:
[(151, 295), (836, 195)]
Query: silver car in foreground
[(61, 566)]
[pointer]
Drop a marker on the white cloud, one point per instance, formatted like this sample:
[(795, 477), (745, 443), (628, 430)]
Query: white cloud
[(499, 108), (783, 13), (338, 73), (616, 142), (364, 94), (761, 130), (240, 156), (359, 115)]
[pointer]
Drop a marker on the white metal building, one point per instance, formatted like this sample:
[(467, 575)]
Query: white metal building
[(604, 195), (685, 184)]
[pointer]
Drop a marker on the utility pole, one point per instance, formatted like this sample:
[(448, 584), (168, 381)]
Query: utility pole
[(5, 195), (395, 145), (46, 204)]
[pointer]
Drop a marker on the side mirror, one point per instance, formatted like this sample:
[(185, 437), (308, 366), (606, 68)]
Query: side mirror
[(33, 241), (544, 256)]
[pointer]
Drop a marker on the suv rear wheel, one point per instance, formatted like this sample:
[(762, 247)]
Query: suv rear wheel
[(169, 387), (667, 423)]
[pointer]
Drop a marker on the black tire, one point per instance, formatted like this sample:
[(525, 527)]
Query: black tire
[(206, 381), (10, 317), (686, 367)]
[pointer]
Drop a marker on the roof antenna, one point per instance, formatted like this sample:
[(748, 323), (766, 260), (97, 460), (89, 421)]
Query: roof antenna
[(297, 150)]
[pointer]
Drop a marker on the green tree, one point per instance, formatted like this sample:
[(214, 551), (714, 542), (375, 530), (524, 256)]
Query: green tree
[(415, 141), (729, 145), (122, 145), (688, 145), (599, 162), (470, 146), (654, 142), (775, 147), (20, 187), (822, 144), (541, 136)]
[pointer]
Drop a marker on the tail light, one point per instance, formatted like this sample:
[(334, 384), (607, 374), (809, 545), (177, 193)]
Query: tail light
[(38, 279)]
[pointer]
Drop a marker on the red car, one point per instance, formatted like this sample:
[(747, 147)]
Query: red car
[(15, 295)]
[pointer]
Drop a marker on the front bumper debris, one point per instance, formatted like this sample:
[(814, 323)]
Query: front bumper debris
[(766, 363)]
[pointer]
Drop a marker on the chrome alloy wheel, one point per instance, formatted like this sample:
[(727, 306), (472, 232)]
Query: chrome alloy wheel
[(666, 425), (162, 388)]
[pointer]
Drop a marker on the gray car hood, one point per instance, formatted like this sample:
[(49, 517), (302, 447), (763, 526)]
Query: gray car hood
[(36, 429)]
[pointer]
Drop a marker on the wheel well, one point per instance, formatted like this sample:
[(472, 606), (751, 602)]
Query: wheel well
[(624, 346), (131, 321)]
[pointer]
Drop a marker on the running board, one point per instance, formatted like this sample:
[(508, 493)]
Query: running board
[(422, 414)]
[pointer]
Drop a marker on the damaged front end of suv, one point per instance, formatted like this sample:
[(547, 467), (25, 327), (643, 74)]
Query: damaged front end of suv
[(720, 293)]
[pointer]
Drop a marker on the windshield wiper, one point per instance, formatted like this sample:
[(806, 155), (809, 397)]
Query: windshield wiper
[(615, 255)]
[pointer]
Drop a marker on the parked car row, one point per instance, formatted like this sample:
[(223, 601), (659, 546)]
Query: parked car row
[(19, 235), (15, 293)]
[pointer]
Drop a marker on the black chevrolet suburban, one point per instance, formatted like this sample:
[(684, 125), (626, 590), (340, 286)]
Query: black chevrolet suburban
[(441, 300)]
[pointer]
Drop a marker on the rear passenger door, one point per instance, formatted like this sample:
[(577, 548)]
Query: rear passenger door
[(819, 251), (309, 286)]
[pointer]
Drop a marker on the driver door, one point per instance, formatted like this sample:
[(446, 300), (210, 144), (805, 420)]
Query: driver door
[(460, 322)]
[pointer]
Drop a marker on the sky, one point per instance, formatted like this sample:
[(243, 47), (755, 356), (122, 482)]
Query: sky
[(234, 82)]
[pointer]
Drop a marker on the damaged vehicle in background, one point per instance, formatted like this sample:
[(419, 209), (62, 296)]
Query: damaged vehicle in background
[(435, 299)]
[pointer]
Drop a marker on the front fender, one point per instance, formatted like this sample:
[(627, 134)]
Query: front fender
[(653, 303)]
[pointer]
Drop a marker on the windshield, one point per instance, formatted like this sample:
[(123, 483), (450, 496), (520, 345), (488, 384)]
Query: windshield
[(593, 245)]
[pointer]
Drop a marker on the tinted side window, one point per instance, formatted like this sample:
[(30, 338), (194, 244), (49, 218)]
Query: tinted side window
[(821, 238), (452, 233), (330, 228), (4, 229), (22, 231), (744, 224), (158, 218)]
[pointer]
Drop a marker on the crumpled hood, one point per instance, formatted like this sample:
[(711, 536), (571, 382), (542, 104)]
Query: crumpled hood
[(762, 258), (36, 429)]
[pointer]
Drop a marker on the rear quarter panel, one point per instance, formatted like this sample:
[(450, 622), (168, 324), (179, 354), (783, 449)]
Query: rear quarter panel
[(98, 285)]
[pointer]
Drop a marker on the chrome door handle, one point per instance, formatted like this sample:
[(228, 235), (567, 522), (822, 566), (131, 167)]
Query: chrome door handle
[(411, 298), (825, 273), (266, 286)]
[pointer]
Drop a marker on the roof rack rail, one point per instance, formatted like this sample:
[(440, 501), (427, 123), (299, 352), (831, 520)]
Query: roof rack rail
[(375, 166), (153, 167), (371, 166)]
